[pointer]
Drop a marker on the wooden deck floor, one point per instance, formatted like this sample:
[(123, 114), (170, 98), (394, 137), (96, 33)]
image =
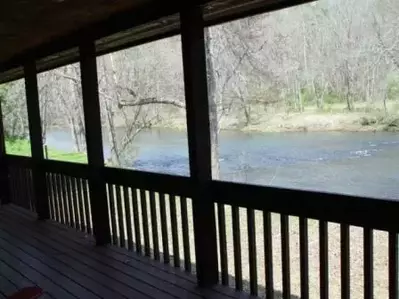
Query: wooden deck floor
[(66, 264)]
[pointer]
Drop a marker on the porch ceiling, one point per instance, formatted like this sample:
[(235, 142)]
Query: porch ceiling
[(41, 28)]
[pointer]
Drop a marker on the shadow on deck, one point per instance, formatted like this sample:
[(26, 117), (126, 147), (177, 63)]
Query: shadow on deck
[(66, 264)]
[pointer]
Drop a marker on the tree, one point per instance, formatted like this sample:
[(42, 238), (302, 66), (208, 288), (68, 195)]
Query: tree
[(61, 102), (15, 115), (134, 85)]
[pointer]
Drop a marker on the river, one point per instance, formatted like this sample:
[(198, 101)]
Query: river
[(365, 164)]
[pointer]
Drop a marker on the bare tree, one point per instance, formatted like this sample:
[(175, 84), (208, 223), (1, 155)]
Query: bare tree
[(14, 110)]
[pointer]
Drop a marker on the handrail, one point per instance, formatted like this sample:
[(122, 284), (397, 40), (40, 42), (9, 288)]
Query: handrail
[(67, 168), (21, 161), (345, 209), (157, 182)]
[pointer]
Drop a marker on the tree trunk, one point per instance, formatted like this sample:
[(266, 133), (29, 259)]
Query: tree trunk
[(385, 105), (247, 113), (213, 109), (109, 104)]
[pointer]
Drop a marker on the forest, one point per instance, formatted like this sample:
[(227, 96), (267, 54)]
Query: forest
[(328, 65)]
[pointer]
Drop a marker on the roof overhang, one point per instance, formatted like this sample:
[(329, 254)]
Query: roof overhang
[(151, 20)]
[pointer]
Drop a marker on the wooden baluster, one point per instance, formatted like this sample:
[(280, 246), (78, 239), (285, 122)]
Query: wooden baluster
[(345, 278), (323, 241), (253, 276), (121, 216), (49, 193), (70, 201), (55, 197), (304, 257), (5, 196), (129, 224), (368, 245), (285, 255), (223, 244), (393, 264), (76, 204), (164, 229), (79, 199), (186, 240), (268, 243), (136, 220), (112, 214), (175, 235), (154, 224), (144, 219), (87, 211), (235, 214)]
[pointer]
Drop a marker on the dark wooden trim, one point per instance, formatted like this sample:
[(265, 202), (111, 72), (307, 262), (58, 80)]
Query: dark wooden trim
[(245, 11), (2, 136), (36, 141), (4, 184), (131, 19), (345, 209), (197, 112), (156, 182), (66, 168), (95, 155), (19, 161)]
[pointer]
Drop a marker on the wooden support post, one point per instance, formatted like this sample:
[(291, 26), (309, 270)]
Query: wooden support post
[(95, 154), (196, 91), (4, 184), (36, 141)]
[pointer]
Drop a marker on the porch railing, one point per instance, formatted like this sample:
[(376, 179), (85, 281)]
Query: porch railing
[(152, 215), (165, 217)]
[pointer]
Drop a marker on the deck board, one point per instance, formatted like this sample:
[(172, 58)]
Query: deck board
[(67, 264)]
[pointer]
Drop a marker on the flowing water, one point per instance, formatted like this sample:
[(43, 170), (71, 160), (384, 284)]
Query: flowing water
[(351, 163)]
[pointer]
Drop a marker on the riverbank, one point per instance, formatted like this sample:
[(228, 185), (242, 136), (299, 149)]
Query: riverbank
[(335, 117), (22, 148), (323, 122)]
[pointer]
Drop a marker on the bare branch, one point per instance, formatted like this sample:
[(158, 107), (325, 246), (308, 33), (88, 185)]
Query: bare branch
[(149, 101)]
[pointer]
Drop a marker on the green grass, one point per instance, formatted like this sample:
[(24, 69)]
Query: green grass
[(18, 147), (22, 148)]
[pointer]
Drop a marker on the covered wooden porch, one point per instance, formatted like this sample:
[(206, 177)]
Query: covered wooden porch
[(92, 231), (67, 264)]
